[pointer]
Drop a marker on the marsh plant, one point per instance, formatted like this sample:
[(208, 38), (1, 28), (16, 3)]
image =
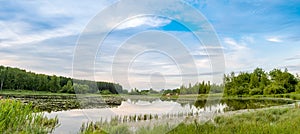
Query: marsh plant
[(279, 120), (16, 117)]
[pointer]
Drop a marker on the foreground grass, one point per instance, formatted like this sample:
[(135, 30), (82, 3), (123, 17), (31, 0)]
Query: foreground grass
[(16, 117), (275, 121)]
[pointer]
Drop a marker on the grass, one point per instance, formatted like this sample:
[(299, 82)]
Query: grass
[(277, 121), (112, 127), (16, 117)]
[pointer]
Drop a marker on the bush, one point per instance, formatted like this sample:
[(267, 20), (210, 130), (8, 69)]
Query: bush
[(274, 89), (256, 91), (105, 92)]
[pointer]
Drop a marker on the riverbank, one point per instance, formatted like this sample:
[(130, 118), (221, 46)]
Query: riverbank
[(275, 121), (280, 119)]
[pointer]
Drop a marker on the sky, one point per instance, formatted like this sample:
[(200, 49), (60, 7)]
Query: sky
[(158, 50)]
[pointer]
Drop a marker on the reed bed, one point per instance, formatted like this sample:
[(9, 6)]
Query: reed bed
[(17, 117)]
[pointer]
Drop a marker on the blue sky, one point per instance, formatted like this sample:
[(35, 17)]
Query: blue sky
[(41, 36)]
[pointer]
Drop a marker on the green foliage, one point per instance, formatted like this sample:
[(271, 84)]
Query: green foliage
[(281, 121), (255, 91), (198, 88), (17, 117), (54, 84), (277, 121), (274, 89), (298, 88), (105, 92), (260, 82), (81, 88), (68, 88), (18, 79), (104, 128)]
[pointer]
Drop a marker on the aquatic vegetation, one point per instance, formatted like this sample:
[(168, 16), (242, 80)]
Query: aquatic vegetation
[(279, 120), (104, 127), (17, 117), (282, 120)]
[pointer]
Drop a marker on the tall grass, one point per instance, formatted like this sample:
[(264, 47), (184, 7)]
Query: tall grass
[(112, 127), (277, 121), (16, 117)]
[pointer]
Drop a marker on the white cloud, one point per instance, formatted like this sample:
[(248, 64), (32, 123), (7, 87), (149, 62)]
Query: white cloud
[(15, 34), (148, 21), (237, 55), (39, 21), (274, 39), (233, 44)]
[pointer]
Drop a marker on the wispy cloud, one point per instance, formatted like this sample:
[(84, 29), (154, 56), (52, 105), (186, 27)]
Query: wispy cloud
[(238, 54), (274, 39), (144, 21)]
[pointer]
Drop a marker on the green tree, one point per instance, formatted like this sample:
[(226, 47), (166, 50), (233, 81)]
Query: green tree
[(68, 88), (105, 92), (283, 79), (3, 71), (54, 84), (81, 88), (298, 88)]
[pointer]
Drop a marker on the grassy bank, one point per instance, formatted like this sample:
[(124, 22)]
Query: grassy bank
[(16, 117), (275, 121), (279, 120), (30, 92)]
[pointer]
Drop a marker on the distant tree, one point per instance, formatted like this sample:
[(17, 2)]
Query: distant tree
[(81, 88), (3, 71), (105, 92), (54, 84), (152, 91), (298, 88), (68, 88)]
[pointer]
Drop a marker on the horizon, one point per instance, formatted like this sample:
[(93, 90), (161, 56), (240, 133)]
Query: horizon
[(148, 88)]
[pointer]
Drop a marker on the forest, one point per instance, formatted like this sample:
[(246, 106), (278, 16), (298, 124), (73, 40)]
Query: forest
[(19, 79)]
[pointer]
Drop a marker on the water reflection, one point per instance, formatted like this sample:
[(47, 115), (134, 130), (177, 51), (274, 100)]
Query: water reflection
[(72, 120)]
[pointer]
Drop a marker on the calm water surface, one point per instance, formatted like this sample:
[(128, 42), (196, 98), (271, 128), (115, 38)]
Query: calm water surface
[(71, 121)]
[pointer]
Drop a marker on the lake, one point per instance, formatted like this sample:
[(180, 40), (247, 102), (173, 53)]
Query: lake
[(137, 112)]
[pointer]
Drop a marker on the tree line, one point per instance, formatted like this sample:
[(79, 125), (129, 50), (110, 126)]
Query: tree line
[(260, 82), (19, 79), (198, 88)]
